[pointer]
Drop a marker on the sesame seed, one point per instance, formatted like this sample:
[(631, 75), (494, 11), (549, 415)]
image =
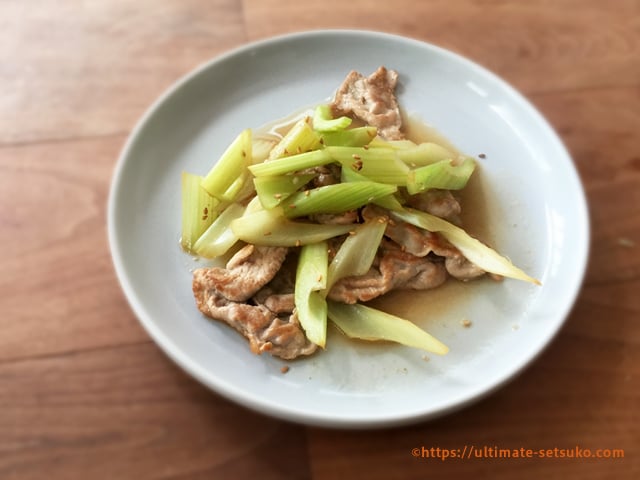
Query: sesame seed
[(356, 156)]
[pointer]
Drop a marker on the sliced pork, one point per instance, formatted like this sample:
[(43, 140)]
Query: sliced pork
[(373, 100)]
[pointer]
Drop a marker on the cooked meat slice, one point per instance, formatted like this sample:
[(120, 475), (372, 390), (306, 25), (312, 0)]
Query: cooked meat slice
[(277, 295), (410, 272), (247, 271), (361, 287), (440, 203), (266, 331), (325, 175), (371, 99), (280, 303), (396, 270), (461, 268), (412, 239), (345, 218)]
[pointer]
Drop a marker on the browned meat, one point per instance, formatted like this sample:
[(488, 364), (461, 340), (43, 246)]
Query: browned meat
[(246, 272), (371, 99), (266, 331), (420, 243), (461, 268), (440, 203), (394, 270), (413, 240), (324, 175), (336, 219), (277, 295)]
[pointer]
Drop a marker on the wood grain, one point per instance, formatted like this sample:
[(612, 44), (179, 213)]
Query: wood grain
[(86, 394)]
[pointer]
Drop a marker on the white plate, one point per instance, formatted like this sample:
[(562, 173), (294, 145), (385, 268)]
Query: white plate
[(537, 216)]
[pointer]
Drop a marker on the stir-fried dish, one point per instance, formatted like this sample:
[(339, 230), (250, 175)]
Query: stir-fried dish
[(338, 210)]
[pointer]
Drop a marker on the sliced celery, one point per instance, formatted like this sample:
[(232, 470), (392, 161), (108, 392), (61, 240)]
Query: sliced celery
[(227, 177), (472, 249), (336, 198), (424, 154), (323, 120), (300, 138), (311, 277), (269, 227), (442, 174), (379, 142), (350, 175), (290, 164), (366, 323), (356, 254), (198, 210), (354, 137), (219, 238), (390, 202), (378, 164), (274, 189)]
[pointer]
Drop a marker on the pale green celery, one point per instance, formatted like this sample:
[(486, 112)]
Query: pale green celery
[(323, 120), (198, 209), (273, 190), (293, 163), (443, 174), (379, 142), (253, 206), (227, 177), (366, 323), (219, 238), (261, 148), (350, 175), (390, 202), (378, 164), (300, 138), (354, 137), (356, 254), (337, 198), (473, 250), (311, 277), (269, 227), (424, 154)]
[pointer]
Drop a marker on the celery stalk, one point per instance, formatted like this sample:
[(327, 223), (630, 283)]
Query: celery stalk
[(354, 137), (299, 139), (442, 174), (225, 180), (323, 120), (378, 164), (293, 163), (390, 202), (337, 198), (366, 323), (219, 238), (198, 209), (424, 154), (378, 142), (274, 189), (356, 254), (269, 227), (472, 249), (311, 277)]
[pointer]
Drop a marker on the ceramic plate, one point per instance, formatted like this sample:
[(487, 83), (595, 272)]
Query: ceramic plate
[(527, 195)]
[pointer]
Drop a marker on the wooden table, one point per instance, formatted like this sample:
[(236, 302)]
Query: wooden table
[(85, 393)]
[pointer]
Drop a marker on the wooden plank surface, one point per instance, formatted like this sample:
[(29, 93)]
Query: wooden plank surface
[(86, 394)]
